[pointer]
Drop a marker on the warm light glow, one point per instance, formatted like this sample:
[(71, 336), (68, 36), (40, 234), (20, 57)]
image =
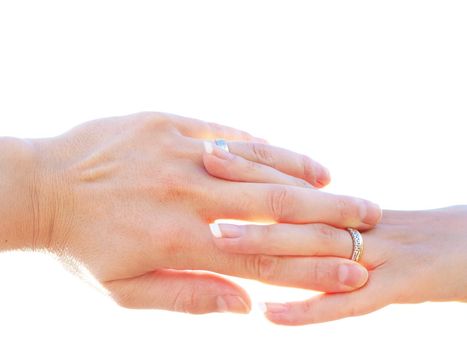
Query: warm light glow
[(376, 91)]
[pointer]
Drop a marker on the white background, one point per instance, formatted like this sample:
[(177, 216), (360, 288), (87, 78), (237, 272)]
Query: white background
[(376, 90)]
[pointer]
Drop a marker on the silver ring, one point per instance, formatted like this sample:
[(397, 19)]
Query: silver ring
[(357, 241), (222, 144)]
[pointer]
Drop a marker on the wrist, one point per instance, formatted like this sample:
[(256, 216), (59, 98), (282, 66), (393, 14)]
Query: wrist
[(31, 196), (18, 209)]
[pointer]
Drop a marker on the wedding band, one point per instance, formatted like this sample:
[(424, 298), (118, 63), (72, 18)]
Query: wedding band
[(222, 144), (357, 241)]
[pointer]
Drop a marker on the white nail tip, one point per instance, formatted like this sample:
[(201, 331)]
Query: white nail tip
[(262, 307), (215, 230), (208, 147)]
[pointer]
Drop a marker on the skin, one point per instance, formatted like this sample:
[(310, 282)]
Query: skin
[(129, 199), (412, 257)]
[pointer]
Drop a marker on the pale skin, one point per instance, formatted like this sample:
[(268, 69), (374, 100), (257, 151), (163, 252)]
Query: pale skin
[(412, 256), (129, 198)]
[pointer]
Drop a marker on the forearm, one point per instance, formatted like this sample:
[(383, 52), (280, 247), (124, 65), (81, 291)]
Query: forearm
[(18, 213)]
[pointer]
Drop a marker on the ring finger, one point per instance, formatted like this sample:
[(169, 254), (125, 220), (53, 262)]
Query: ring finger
[(228, 166), (287, 239)]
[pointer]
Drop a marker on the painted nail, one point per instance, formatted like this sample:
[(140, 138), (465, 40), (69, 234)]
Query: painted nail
[(370, 213), (231, 231), (232, 303), (275, 308), (208, 148), (215, 230), (352, 275)]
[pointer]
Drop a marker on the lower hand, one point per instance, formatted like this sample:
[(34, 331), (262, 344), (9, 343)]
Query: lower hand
[(412, 257)]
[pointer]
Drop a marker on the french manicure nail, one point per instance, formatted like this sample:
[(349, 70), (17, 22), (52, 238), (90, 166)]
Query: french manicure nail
[(232, 303), (262, 307), (231, 231), (275, 308), (208, 147), (215, 230), (352, 275)]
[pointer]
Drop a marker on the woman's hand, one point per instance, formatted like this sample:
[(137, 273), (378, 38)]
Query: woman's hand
[(412, 257), (130, 199)]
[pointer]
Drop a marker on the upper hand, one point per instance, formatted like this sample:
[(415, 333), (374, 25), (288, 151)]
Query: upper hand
[(130, 199)]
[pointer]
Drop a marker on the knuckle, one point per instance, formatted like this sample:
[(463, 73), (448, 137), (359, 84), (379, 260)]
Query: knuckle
[(280, 203), (347, 209), (252, 167), (327, 235), (262, 154), (154, 120), (263, 267), (216, 129), (170, 184), (321, 272), (308, 308), (185, 300)]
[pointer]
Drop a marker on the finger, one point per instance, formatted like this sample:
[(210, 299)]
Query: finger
[(328, 274), (208, 131), (329, 307), (290, 204), (324, 274), (182, 291), (283, 160), (283, 239), (230, 167)]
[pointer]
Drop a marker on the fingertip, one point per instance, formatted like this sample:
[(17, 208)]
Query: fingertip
[(324, 177), (352, 275), (233, 303), (370, 213)]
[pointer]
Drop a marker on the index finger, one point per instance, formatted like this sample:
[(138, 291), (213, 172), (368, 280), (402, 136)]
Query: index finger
[(200, 129), (288, 162)]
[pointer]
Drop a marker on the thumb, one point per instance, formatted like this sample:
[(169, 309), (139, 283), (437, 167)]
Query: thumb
[(182, 291)]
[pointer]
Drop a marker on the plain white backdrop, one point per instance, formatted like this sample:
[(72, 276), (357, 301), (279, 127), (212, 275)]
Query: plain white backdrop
[(375, 90)]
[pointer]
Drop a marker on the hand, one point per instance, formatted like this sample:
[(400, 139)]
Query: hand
[(130, 199), (412, 257)]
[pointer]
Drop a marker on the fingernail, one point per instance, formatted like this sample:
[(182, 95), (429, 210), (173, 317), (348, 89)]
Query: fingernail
[(274, 308), (220, 153), (208, 147), (215, 230), (370, 212), (232, 303), (352, 275), (324, 176), (232, 231)]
